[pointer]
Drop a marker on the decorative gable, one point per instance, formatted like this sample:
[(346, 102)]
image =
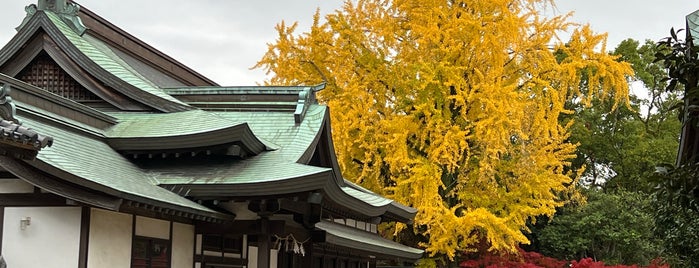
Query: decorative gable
[(45, 73)]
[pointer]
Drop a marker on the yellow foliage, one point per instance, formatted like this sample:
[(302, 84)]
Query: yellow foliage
[(453, 107)]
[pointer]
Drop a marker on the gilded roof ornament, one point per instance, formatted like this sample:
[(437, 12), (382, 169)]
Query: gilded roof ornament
[(67, 11)]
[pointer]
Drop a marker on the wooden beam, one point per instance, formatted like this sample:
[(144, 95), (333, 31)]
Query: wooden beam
[(7, 175), (40, 176), (220, 260), (263, 244), (2, 221), (250, 227), (31, 199), (171, 215), (304, 212), (84, 236)]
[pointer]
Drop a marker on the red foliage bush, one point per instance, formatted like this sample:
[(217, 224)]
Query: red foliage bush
[(589, 263), (536, 260)]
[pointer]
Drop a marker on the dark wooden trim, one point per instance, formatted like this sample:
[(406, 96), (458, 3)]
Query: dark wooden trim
[(194, 248), (79, 189), (84, 236), (154, 212), (31, 199), (249, 227), (263, 243), (24, 57), (169, 256), (133, 236), (7, 175), (37, 176), (219, 260), (2, 222), (26, 93)]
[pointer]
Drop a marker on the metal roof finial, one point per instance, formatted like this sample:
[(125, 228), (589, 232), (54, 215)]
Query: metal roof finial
[(66, 10), (52, 5)]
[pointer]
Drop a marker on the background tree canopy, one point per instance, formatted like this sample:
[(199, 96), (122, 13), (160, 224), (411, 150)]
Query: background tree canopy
[(621, 147), (453, 107)]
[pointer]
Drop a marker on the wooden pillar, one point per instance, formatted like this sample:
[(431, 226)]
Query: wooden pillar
[(372, 264), (263, 246), (2, 220), (84, 236)]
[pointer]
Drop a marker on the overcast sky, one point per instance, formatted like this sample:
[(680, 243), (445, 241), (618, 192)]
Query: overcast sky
[(222, 39)]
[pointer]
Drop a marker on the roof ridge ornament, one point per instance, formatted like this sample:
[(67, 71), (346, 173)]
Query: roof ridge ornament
[(15, 140), (66, 10), (307, 97), (8, 111)]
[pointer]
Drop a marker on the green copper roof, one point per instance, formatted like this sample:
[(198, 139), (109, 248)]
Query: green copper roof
[(345, 236), (279, 128), (80, 153), (95, 162), (167, 124), (693, 26), (231, 171), (99, 53)]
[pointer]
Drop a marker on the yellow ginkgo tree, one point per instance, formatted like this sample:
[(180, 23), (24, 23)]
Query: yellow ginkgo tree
[(453, 107)]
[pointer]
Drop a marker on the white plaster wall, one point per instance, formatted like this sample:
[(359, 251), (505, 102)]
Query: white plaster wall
[(109, 243), (182, 245), (15, 186), (51, 240), (252, 257), (273, 255), (150, 227), (198, 242)]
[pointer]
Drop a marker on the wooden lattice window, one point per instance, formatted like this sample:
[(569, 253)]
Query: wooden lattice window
[(45, 73), (149, 252)]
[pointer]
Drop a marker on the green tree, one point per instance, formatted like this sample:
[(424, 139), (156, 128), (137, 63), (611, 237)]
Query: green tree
[(621, 147), (616, 228), (453, 107), (677, 191)]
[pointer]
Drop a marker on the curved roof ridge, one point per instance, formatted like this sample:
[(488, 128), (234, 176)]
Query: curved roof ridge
[(94, 61), (101, 55), (187, 129)]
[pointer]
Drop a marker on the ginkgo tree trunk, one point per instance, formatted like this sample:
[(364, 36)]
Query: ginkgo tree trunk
[(453, 107)]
